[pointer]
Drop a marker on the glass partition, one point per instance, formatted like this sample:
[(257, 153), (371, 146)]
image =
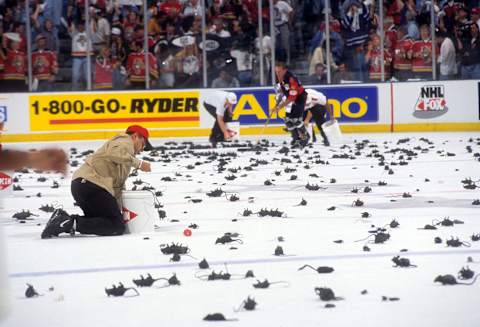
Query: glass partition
[(81, 45)]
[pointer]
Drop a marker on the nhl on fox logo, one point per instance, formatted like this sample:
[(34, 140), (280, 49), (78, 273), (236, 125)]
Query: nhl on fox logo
[(431, 102)]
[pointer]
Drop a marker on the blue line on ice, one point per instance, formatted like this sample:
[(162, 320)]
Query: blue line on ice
[(242, 261)]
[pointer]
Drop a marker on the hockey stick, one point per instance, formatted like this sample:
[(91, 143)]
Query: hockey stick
[(264, 127)]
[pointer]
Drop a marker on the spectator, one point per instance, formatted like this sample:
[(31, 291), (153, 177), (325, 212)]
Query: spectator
[(356, 23), (188, 66), (319, 76), (476, 16), (342, 75), (103, 70), (193, 8), (250, 8), (15, 65), (132, 20), (170, 33), (52, 41), (8, 19), (167, 65), (283, 19), (244, 61), (446, 58), (52, 11), (19, 28), (136, 67), (265, 44), (100, 28), (463, 26), (402, 55), (118, 54), (44, 65), (153, 25), (470, 56), (319, 54), (375, 60), (397, 9), (422, 55), (81, 44), (412, 26), (171, 8), (225, 81), (358, 64), (46, 28), (218, 29)]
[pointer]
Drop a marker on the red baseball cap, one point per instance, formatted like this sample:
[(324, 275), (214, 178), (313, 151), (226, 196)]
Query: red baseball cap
[(143, 132), (476, 11)]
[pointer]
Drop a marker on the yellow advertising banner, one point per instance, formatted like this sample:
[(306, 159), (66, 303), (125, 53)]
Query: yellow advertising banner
[(93, 111)]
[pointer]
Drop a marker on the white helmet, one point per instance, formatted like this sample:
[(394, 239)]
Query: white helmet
[(231, 97)]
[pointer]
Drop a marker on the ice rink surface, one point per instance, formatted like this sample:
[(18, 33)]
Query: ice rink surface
[(424, 187)]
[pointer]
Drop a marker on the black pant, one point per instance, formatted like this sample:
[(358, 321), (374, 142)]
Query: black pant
[(102, 215), (298, 107), (319, 116), (216, 135)]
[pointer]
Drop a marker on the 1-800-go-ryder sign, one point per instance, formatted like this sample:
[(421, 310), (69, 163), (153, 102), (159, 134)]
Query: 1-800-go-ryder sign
[(89, 111)]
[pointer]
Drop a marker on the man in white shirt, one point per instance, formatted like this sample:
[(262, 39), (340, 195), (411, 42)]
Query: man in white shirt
[(81, 46), (316, 107), (446, 58), (219, 104)]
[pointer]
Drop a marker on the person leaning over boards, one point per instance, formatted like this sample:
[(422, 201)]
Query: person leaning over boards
[(97, 187)]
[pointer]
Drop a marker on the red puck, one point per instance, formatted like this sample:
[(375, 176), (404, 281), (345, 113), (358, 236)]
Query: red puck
[(187, 232)]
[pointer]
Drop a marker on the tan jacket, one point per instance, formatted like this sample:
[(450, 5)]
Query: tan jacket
[(110, 165)]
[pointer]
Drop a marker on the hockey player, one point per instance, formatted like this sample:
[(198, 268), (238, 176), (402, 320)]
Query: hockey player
[(291, 87), (316, 108), (219, 104), (97, 187)]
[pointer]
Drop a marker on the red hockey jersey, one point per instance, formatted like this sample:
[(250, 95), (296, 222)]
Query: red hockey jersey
[(44, 64), (15, 65), (103, 74), (402, 54), (422, 56), (375, 70), (136, 66)]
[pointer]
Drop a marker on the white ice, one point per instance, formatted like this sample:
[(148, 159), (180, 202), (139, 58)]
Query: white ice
[(80, 267)]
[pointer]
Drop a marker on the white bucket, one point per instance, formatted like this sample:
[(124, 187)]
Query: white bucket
[(234, 127), (139, 212), (333, 132)]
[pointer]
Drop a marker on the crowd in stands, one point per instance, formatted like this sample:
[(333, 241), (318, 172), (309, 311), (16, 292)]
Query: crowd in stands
[(115, 35)]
